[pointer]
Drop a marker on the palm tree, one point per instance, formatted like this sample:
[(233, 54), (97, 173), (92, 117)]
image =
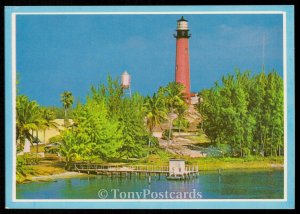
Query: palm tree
[(67, 101), (181, 111), (28, 119), (155, 111), (174, 93), (48, 120)]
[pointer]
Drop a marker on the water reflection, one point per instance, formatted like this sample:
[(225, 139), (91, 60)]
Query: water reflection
[(228, 184)]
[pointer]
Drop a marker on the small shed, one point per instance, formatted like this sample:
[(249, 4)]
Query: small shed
[(176, 167)]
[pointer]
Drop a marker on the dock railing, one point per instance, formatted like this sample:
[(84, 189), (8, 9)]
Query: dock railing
[(85, 167)]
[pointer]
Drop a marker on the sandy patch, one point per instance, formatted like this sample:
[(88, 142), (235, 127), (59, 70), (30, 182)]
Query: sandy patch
[(54, 177)]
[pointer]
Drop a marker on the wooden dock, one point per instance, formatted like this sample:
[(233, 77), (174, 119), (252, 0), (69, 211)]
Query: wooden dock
[(139, 170)]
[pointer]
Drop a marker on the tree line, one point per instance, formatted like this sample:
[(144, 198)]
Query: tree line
[(112, 127), (246, 113), (109, 125)]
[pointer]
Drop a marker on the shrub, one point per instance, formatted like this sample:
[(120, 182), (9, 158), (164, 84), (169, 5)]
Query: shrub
[(20, 164), (55, 139), (224, 149), (165, 134), (27, 159), (154, 141), (181, 124)]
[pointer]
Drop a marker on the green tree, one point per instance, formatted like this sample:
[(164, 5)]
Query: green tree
[(98, 135), (210, 112), (134, 132), (257, 94), (67, 101), (174, 96), (59, 112), (48, 120), (246, 113), (28, 119), (116, 111), (69, 145), (274, 112), (180, 122), (174, 100), (155, 110)]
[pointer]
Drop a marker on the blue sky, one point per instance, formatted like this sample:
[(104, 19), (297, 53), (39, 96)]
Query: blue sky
[(72, 52)]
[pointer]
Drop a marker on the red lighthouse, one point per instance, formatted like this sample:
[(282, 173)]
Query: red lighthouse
[(182, 66)]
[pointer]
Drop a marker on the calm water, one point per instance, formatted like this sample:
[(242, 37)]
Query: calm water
[(210, 185)]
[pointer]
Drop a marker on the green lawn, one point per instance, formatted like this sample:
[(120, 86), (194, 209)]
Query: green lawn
[(214, 163), (210, 163)]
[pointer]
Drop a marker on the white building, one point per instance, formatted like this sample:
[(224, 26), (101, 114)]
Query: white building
[(176, 167)]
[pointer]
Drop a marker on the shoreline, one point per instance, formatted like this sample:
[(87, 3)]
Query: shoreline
[(71, 174), (53, 170), (53, 177)]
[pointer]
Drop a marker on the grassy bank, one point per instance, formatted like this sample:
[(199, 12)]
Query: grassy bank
[(206, 164), (213, 163), (30, 172)]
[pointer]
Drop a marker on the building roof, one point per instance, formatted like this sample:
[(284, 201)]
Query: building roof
[(171, 159), (182, 19), (125, 72)]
